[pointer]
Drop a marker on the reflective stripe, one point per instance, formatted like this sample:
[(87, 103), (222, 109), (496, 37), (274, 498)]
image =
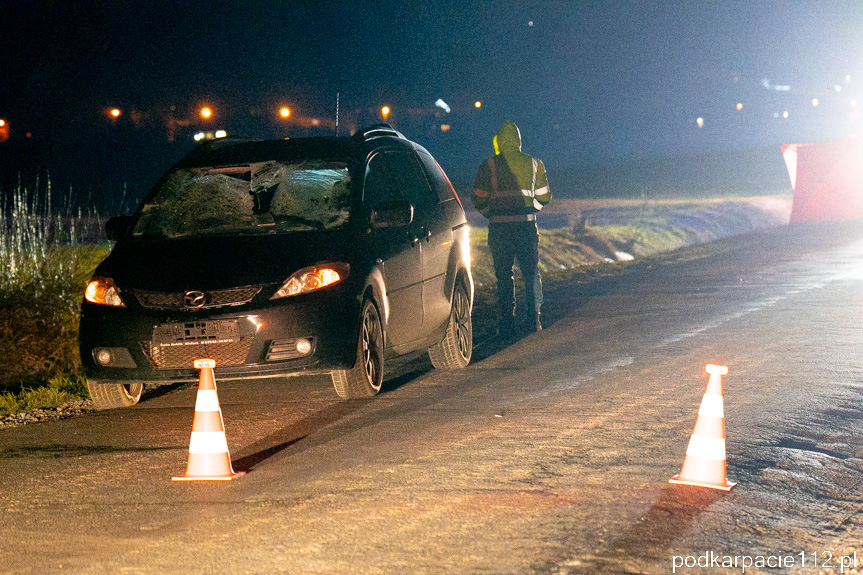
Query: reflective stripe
[(519, 218), (208, 442), (711, 406), (207, 400), (706, 447), (533, 181), (543, 191)]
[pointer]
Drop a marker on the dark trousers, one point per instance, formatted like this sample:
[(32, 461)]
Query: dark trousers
[(509, 242)]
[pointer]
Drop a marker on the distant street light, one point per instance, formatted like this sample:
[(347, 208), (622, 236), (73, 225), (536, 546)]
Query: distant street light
[(385, 112), (477, 104), (815, 102), (206, 112), (700, 122), (285, 112), (739, 106), (116, 112)]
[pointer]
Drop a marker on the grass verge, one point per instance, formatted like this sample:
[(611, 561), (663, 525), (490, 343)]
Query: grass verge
[(55, 392)]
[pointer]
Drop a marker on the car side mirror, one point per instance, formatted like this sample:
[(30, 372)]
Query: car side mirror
[(392, 215), (116, 228)]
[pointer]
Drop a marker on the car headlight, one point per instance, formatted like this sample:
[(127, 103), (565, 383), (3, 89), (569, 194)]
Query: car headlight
[(102, 291), (313, 278)]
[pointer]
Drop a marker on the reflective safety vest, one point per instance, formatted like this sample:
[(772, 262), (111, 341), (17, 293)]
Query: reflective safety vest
[(499, 197)]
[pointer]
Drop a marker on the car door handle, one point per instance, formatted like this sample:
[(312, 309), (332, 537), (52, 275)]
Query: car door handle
[(425, 233)]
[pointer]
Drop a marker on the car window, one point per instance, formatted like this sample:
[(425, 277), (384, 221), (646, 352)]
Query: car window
[(265, 197), (411, 178), (438, 179), (380, 184)]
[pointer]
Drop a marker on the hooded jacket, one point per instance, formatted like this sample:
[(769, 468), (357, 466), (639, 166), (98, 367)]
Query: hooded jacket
[(510, 186)]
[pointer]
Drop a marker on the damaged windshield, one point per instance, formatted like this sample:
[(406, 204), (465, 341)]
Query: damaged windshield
[(266, 197)]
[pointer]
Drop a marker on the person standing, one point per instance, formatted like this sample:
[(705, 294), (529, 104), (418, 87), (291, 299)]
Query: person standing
[(509, 189)]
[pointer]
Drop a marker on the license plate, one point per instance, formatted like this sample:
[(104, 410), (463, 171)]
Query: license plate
[(196, 332)]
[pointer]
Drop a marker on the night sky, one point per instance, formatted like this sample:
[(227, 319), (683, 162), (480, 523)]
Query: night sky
[(587, 82)]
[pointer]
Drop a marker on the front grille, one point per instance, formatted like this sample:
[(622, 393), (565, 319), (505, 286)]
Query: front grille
[(178, 345), (216, 298), (182, 357)]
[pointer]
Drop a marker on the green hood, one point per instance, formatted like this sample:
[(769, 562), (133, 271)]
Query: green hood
[(507, 139)]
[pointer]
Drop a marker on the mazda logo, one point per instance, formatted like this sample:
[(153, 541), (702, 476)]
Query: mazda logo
[(194, 299)]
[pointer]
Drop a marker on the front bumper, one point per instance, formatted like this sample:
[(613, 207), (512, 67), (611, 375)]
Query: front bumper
[(257, 345)]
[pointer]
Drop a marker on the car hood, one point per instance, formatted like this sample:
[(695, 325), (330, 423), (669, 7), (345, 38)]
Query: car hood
[(219, 262)]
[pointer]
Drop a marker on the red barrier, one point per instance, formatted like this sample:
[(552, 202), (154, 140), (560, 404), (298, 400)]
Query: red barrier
[(827, 179)]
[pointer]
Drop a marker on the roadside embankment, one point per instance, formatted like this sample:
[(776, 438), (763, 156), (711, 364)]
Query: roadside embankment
[(584, 239)]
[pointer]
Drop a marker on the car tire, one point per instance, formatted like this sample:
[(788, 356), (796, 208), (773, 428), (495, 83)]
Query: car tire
[(456, 348), (365, 378), (111, 395)]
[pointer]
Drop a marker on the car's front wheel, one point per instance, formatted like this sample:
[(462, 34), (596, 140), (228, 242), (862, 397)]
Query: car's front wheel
[(365, 378), (111, 395), (456, 348)]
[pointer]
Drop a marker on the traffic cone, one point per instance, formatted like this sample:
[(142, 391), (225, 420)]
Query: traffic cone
[(704, 463), (209, 459)]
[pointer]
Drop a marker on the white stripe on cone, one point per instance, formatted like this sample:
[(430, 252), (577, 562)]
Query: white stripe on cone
[(208, 442), (706, 447), (711, 406), (207, 400)]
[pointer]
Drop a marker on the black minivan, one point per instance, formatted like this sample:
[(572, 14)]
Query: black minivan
[(307, 255)]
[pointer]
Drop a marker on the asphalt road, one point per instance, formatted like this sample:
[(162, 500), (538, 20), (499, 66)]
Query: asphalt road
[(548, 456)]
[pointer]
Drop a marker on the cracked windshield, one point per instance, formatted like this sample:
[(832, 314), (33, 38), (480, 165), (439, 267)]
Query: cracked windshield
[(258, 198)]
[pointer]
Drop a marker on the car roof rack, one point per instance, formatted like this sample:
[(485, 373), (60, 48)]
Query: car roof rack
[(378, 131)]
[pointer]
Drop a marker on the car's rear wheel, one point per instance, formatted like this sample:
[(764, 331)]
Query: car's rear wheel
[(365, 378), (111, 395), (456, 348)]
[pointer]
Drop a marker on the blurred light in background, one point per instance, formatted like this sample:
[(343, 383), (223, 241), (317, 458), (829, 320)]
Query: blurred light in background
[(385, 112), (201, 136), (739, 106), (785, 114), (445, 127), (815, 102), (206, 112), (442, 105), (477, 104), (700, 122), (115, 112), (285, 112)]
